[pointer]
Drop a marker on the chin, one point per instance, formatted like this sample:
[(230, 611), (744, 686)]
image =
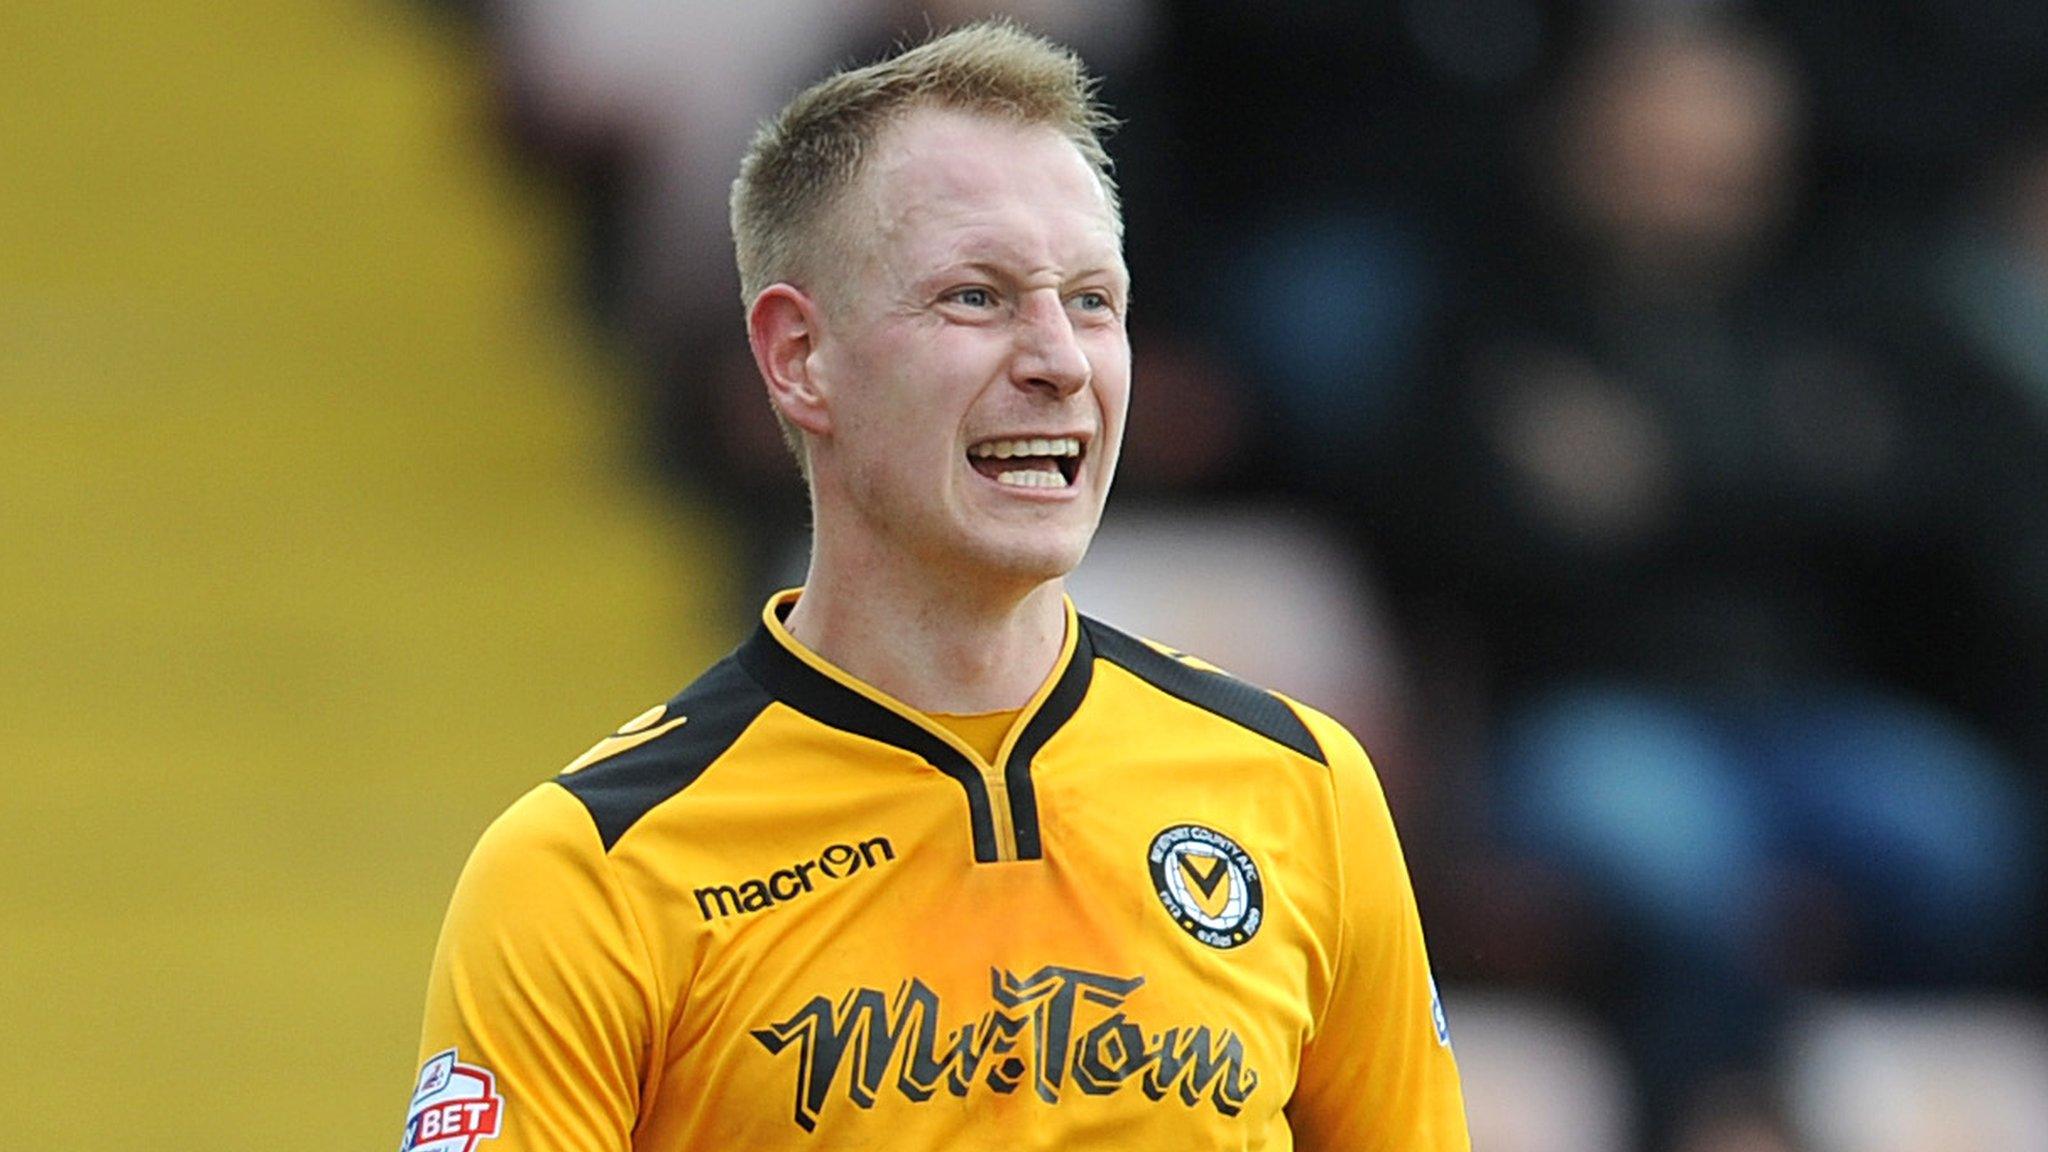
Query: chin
[(1028, 563)]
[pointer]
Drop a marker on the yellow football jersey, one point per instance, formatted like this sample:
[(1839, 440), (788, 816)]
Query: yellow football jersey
[(785, 911)]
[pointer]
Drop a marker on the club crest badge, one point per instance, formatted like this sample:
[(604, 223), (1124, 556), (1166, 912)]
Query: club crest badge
[(1208, 884), (454, 1107)]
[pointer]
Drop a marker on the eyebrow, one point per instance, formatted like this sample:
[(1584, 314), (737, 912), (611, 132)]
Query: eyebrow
[(994, 268)]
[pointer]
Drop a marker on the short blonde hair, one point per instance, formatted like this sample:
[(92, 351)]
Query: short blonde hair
[(803, 161)]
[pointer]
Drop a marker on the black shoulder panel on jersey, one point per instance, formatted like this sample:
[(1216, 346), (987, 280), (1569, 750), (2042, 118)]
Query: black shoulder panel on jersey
[(819, 697), (1233, 699), (620, 789)]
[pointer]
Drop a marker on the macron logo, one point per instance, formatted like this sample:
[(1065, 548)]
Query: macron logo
[(784, 884)]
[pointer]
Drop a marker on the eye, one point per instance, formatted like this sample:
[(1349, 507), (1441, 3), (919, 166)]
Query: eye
[(973, 297), (1094, 300)]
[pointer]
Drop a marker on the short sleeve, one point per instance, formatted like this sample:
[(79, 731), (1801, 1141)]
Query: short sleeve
[(541, 1007), (1377, 1075)]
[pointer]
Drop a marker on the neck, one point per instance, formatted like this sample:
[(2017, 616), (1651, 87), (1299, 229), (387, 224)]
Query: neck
[(938, 644)]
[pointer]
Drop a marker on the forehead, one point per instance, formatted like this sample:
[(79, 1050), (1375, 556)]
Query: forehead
[(946, 183)]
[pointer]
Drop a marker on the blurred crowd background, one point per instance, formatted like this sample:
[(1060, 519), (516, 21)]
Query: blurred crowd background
[(1630, 415)]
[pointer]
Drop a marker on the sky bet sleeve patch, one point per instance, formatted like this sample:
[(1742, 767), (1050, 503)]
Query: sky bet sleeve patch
[(454, 1107)]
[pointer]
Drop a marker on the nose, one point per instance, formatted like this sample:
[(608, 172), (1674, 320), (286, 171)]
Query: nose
[(1048, 355)]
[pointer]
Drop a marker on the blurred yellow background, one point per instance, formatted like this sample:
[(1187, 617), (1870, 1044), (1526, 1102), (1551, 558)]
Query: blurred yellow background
[(320, 540)]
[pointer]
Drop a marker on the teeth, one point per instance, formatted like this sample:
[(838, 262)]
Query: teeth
[(1005, 449), (1032, 479)]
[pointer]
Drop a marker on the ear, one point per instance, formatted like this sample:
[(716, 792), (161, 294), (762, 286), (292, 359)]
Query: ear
[(783, 326)]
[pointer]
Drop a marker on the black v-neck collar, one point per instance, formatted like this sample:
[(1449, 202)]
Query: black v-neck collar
[(832, 700)]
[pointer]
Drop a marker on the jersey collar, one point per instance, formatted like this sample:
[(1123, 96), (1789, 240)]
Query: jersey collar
[(1001, 800)]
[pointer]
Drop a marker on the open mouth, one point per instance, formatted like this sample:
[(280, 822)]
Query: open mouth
[(1028, 462)]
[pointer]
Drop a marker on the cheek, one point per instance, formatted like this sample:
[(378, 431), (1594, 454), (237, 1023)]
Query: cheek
[(880, 410), (1116, 391), (1113, 387), (904, 450)]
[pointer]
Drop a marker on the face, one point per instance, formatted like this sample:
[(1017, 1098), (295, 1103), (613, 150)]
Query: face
[(972, 352)]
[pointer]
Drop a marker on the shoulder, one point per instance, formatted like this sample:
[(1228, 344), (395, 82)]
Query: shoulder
[(1214, 691), (539, 927), (662, 751), (543, 843)]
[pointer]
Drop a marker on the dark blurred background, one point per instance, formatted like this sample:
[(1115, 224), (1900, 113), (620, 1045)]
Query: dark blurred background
[(1631, 417)]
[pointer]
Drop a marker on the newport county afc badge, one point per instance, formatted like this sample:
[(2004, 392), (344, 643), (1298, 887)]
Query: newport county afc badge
[(1208, 884)]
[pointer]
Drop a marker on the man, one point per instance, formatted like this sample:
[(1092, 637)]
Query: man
[(931, 861)]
